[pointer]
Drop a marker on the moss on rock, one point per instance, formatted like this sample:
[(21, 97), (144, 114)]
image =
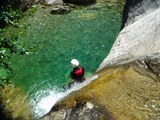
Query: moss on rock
[(14, 104)]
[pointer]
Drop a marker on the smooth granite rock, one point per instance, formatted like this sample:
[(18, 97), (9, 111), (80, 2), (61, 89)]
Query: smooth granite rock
[(136, 40)]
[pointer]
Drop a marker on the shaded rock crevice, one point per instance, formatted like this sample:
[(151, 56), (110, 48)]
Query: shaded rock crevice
[(136, 9), (126, 10), (151, 62)]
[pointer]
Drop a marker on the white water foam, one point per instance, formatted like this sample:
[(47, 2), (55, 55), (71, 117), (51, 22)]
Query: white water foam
[(45, 99)]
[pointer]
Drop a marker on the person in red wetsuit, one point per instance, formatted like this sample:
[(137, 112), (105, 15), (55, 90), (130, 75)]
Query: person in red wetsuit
[(77, 75)]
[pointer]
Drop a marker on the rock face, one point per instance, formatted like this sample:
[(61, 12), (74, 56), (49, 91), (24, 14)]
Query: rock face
[(136, 40), (136, 9)]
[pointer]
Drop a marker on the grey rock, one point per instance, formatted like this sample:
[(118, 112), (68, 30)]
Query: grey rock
[(60, 10), (137, 9), (141, 38), (80, 112), (153, 63)]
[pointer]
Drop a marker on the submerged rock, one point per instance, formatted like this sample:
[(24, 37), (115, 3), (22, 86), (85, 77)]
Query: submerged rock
[(60, 10)]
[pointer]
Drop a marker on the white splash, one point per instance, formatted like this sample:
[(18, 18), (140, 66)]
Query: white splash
[(45, 99)]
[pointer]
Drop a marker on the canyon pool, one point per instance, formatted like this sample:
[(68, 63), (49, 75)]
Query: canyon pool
[(87, 33)]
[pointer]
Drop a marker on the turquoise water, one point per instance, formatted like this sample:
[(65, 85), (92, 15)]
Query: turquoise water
[(86, 33)]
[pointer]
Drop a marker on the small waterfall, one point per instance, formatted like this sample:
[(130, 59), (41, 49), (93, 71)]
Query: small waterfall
[(43, 100)]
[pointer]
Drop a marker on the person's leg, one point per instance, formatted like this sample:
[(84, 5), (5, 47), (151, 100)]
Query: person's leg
[(71, 84)]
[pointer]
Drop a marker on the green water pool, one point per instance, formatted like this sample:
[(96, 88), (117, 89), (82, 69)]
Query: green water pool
[(87, 33)]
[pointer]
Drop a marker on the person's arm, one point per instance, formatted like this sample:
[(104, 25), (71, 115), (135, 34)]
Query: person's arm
[(72, 75)]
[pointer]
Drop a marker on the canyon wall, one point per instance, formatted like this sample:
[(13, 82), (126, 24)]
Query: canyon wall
[(138, 39)]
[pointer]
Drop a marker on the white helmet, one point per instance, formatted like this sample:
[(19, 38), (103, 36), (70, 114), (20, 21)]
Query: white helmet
[(74, 63)]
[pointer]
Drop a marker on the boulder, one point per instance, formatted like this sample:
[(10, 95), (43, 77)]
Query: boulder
[(60, 10)]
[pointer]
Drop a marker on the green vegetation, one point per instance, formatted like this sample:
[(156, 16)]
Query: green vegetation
[(9, 16), (11, 28)]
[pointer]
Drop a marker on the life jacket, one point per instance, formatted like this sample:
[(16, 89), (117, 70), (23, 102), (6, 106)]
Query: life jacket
[(78, 74)]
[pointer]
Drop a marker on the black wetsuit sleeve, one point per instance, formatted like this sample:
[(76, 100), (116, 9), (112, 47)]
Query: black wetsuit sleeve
[(72, 75), (83, 70)]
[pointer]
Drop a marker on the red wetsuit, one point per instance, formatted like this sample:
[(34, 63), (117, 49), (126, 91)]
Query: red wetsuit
[(78, 74)]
